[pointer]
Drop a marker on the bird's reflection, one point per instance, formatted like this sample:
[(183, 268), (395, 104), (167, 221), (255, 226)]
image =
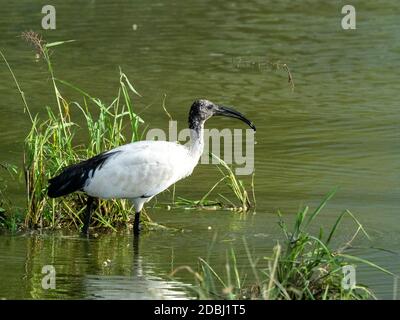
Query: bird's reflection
[(136, 277), (137, 270)]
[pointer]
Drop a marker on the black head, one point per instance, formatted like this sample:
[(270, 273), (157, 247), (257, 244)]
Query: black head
[(202, 110)]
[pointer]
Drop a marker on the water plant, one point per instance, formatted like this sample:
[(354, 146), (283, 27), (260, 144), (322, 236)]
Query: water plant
[(51, 145), (301, 266), (240, 201), (9, 215)]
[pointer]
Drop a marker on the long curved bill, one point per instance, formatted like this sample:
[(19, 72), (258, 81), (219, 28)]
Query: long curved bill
[(232, 113)]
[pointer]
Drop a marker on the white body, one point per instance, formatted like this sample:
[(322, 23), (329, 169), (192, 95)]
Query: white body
[(141, 170)]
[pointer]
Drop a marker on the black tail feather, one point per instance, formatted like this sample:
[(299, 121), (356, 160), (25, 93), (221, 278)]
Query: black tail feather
[(73, 178)]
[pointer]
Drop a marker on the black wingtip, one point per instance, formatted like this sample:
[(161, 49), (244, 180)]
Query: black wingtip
[(74, 177), (52, 190)]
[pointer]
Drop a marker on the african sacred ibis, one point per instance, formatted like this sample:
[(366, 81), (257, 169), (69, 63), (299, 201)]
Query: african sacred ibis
[(140, 170)]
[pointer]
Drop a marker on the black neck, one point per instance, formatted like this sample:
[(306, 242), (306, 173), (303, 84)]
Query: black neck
[(196, 145), (195, 121), (195, 124)]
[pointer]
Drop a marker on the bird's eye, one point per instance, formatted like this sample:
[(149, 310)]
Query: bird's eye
[(209, 107)]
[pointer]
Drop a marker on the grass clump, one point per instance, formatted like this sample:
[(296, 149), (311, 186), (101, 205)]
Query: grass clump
[(240, 201), (303, 267), (9, 215), (51, 145)]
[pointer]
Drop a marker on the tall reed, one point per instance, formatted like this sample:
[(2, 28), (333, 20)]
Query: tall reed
[(51, 145)]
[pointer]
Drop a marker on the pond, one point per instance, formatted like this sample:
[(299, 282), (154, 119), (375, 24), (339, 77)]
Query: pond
[(337, 128)]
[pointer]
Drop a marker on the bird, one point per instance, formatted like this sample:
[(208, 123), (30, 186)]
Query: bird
[(139, 170)]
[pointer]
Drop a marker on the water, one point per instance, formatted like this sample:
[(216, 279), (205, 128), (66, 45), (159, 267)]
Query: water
[(338, 128)]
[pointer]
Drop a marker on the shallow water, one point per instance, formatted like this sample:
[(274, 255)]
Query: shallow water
[(338, 128)]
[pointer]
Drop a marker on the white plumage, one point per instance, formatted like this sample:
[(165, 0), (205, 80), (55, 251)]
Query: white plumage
[(140, 170)]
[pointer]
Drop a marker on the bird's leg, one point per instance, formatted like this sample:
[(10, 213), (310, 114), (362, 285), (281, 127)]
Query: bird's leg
[(136, 224), (87, 216)]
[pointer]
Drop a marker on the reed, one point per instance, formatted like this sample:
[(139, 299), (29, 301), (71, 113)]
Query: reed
[(9, 215), (51, 145), (302, 266), (239, 201)]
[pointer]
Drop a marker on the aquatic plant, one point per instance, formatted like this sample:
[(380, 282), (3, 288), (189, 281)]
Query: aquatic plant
[(240, 200), (303, 266), (50, 146), (9, 215)]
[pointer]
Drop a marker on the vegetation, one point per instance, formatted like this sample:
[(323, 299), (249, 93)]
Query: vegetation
[(9, 216), (50, 146), (240, 202), (304, 266)]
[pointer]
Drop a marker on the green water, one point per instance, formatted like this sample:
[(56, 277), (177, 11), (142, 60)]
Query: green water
[(338, 128)]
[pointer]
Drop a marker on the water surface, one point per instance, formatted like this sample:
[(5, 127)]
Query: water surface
[(338, 128)]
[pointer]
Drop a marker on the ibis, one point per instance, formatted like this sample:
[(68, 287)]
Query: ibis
[(140, 170)]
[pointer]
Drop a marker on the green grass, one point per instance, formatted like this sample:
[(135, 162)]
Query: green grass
[(10, 216), (303, 266), (51, 145), (239, 201)]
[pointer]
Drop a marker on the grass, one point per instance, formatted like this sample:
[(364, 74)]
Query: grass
[(240, 201), (303, 266), (9, 215), (51, 145)]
